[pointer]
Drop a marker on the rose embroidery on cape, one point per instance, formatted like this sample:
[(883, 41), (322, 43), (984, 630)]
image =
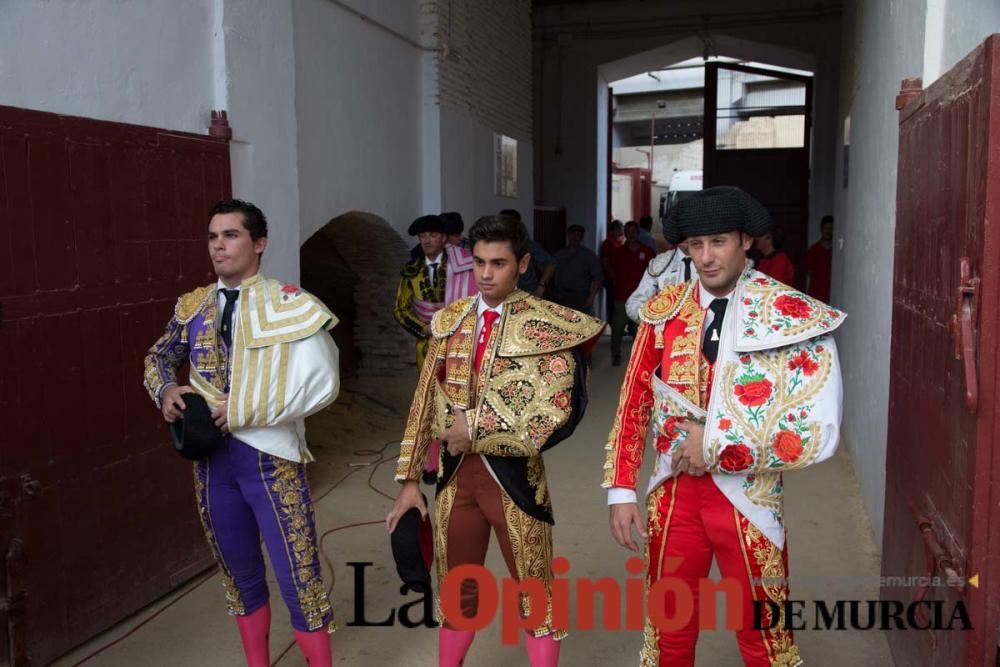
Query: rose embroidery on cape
[(787, 446), (753, 389), (793, 306), (736, 458)]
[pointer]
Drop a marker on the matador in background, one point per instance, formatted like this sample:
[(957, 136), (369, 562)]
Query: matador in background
[(421, 290), (738, 377), (504, 381)]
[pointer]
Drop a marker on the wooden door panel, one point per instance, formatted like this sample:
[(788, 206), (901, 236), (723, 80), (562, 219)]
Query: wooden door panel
[(102, 226), (939, 463)]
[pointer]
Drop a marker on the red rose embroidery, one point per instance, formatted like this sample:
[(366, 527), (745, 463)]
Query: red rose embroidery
[(793, 306), (753, 315), (289, 289), (762, 281), (735, 458), (790, 417), (561, 400), (803, 414), (804, 362), (819, 349), (775, 327), (670, 428), (787, 446), (754, 393), (745, 359), (725, 424), (747, 301)]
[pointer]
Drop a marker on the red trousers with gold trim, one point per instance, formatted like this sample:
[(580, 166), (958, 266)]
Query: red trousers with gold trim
[(690, 521)]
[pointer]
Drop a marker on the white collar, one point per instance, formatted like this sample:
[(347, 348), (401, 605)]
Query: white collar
[(483, 307), (705, 298), (219, 285), (436, 260)]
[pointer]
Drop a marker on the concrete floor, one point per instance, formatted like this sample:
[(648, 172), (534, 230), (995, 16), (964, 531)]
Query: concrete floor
[(832, 555)]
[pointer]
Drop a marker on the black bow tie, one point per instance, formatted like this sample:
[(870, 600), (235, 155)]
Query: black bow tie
[(710, 345)]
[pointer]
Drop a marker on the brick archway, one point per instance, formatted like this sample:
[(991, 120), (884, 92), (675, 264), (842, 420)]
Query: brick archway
[(352, 263)]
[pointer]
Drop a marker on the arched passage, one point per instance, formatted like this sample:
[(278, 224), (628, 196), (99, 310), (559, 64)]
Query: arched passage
[(352, 263)]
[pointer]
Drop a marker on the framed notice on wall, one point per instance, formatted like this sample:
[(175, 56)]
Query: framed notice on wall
[(504, 166)]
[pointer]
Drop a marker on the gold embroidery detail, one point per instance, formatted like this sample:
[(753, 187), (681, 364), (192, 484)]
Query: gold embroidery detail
[(442, 513), (297, 527), (234, 601), (446, 321), (665, 305), (534, 326), (531, 544), (189, 304)]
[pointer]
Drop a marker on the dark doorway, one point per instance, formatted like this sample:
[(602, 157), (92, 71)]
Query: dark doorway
[(757, 129)]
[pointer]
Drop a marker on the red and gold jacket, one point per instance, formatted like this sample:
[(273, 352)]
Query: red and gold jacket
[(771, 402)]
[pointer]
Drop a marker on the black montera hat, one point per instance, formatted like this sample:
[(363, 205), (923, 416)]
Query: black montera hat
[(716, 211), (453, 223), (195, 435), (427, 223), (413, 549)]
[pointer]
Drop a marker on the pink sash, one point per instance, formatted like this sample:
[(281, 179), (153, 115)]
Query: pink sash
[(460, 282)]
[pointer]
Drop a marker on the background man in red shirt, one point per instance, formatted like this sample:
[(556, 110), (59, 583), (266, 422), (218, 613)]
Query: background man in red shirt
[(627, 265), (773, 262), (819, 260)]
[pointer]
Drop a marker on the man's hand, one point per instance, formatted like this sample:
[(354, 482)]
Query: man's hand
[(540, 290), (690, 456), (623, 517), (457, 436), (172, 404), (221, 414), (426, 331), (408, 498)]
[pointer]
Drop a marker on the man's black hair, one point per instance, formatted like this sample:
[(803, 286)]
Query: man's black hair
[(253, 218), (493, 228), (576, 228), (511, 213), (646, 222)]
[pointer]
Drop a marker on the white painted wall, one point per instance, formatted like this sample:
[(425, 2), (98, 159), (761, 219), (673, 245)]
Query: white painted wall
[(358, 111), (259, 74), (883, 43), (467, 178), (148, 63)]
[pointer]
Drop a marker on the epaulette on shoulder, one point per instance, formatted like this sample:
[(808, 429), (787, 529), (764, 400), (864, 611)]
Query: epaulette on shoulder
[(666, 304), (189, 304), (447, 320), (412, 268), (660, 263)]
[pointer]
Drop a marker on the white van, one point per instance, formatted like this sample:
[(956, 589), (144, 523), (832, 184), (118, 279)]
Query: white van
[(682, 184)]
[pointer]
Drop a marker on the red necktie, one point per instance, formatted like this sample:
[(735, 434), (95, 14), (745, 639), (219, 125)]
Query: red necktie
[(489, 317)]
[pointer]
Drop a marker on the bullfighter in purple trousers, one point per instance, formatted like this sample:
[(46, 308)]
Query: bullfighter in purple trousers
[(259, 353)]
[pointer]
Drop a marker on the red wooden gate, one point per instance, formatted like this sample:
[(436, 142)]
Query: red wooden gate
[(102, 226), (942, 477)]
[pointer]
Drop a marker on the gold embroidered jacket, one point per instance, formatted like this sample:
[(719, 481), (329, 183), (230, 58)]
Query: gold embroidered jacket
[(528, 396)]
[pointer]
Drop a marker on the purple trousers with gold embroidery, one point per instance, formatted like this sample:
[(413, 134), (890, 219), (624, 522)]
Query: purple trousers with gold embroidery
[(244, 494)]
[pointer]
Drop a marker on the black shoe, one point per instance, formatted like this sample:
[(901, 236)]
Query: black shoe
[(616, 361)]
